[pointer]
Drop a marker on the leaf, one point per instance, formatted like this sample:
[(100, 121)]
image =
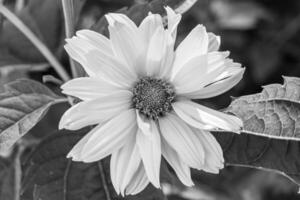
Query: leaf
[(49, 175), (45, 19), (271, 136), (138, 12), (22, 105)]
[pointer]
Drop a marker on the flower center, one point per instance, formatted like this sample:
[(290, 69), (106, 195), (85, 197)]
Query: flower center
[(153, 97)]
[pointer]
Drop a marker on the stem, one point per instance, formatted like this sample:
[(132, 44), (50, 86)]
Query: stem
[(69, 16), (35, 41)]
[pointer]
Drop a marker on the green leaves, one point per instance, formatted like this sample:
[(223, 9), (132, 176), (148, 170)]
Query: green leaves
[(270, 139), (49, 175), (22, 105)]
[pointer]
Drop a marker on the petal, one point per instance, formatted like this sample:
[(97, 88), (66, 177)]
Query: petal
[(149, 26), (173, 21), (214, 42), (181, 169), (219, 86), (78, 46), (196, 43), (156, 52), (109, 137), (124, 165), (112, 18), (149, 145), (202, 117), (95, 111), (214, 160), (88, 88), (139, 181), (110, 69), (75, 153), (127, 43), (199, 72), (183, 140)]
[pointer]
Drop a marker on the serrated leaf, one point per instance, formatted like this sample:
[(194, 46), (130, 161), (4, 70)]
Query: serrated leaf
[(270, 139), (22, 105), (49, 175)]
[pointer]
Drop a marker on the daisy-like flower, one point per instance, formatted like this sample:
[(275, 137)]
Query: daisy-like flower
[(139, 93)]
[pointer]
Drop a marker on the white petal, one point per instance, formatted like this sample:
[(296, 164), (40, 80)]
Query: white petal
[(149, 144), (183, 140), (214, 42), (196, 43), (124, 163), (88, 88), (110, 137), (202, 117), (219, 86), (156, 52), (139, 181), (173, 21), (110, 69), (127, 43), (149, 26), (190, 74), (95, 111), (181, 169), (112, 18), (96, 39), (75, 152), (214, 160), (200, 71), (86, 41)]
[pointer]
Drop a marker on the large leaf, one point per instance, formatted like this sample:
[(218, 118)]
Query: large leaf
[(270, 139), (22, 105), (45, 20), (49, 175)]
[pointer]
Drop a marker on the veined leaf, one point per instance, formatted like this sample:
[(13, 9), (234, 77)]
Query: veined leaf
[(22, 105), (271, 136), (49, 175)]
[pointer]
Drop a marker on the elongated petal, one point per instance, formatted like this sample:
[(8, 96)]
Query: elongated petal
[(127, 43), (75, 153), (214, 42), (112, 18), (111, 69), (173, 21), (199, 72), (138, 182), (149, 144), (196, 43), (181, 169), (156, 52), (202, 117), (84, 42), (124, 164), (183, 140), (214, 160), (95, 111), (219, 87), (149, 26), (110, 137), (88, 88)]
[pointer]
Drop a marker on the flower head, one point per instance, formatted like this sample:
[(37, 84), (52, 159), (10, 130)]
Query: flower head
[(139, 93)]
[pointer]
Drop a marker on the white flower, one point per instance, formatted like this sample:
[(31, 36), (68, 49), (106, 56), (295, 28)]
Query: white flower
[(139, 93)]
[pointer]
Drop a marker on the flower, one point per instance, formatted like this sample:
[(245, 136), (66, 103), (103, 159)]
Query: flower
[(139, 93)]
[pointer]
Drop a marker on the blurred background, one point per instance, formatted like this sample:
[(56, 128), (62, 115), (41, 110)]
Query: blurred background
[(263, 35)]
